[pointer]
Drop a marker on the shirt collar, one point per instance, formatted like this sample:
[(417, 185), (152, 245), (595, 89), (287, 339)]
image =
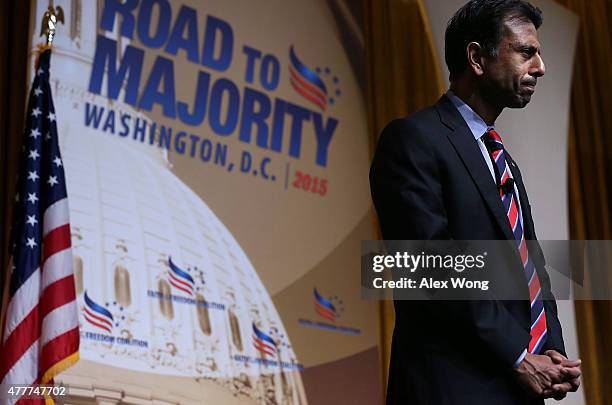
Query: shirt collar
[(474, 121)]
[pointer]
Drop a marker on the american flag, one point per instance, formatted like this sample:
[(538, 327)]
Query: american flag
[(40, 330)]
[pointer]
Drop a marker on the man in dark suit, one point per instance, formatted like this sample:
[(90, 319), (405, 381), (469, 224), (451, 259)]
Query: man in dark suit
[(444, 173)]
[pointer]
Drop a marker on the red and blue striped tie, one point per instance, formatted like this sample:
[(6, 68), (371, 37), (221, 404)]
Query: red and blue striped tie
[(495, 147)]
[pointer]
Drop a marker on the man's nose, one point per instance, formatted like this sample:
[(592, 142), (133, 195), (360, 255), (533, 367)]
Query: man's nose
[(538, 68)]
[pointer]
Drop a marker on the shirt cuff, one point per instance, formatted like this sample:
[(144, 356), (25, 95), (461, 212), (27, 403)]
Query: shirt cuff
[(520, 358)]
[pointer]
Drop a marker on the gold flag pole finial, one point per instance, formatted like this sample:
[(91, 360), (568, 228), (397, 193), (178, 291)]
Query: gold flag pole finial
[(51, 17)]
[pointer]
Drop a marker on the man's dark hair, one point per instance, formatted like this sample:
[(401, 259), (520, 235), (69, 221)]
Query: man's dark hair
[(482, 21)]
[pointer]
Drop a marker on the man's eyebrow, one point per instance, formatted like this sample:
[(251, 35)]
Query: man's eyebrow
[(527, 48)]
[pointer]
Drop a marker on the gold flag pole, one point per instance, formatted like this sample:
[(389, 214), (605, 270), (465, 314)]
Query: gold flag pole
[(51, 18)]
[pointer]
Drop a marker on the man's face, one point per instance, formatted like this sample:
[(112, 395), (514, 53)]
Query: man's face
[(509, 79)]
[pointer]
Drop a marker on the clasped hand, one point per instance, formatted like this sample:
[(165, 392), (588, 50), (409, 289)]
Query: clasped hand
[(550, 375)]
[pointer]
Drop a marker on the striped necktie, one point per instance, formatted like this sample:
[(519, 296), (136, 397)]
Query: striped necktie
[(494, 145)]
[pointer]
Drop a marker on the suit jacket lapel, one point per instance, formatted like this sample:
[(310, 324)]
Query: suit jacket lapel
[(464, 143)]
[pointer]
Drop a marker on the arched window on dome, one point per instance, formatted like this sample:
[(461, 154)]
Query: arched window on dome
[(123, 294), (75, 21), (77, 268), (77, 260), (203, 315), (123, 291), (165, 305), (235, 327)]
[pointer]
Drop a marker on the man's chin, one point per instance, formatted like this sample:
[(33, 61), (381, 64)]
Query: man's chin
[(520, 101)]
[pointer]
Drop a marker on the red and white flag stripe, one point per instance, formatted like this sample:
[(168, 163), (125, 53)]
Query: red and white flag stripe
[(41, 322)]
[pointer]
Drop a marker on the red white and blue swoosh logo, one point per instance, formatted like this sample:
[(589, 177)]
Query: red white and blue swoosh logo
[(97, 316), (262, 342), (180, 279), (319, 85), (306, 81), (324, 307)]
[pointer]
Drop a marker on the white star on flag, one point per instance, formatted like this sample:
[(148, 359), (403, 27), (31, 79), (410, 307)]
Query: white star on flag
[(32, 198), (52, 180), (36, 112), (31, 243), (57, 161), (35, 133), (37, 91), (40, 71), (32, 176), (31, 220), (33, 154), (51, 117), (47, 136)]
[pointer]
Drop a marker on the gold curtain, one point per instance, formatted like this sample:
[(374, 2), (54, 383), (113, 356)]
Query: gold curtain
[(590, 181), (403, 76), (14, 17)]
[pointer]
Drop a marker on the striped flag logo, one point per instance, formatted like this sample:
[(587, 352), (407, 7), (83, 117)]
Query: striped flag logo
[(263, 342), (306, 81), (324, 307), (180, 279), (97, 315)]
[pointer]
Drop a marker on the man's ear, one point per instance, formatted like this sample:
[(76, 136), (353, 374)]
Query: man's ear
[(475, 58)]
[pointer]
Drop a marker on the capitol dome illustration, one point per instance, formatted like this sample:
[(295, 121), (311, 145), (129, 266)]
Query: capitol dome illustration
[(171, 308)]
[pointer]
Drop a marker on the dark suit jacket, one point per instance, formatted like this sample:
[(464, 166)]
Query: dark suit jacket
[(429, 180)]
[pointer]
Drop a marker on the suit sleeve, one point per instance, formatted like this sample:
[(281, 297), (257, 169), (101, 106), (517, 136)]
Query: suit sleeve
[(407, 185)]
